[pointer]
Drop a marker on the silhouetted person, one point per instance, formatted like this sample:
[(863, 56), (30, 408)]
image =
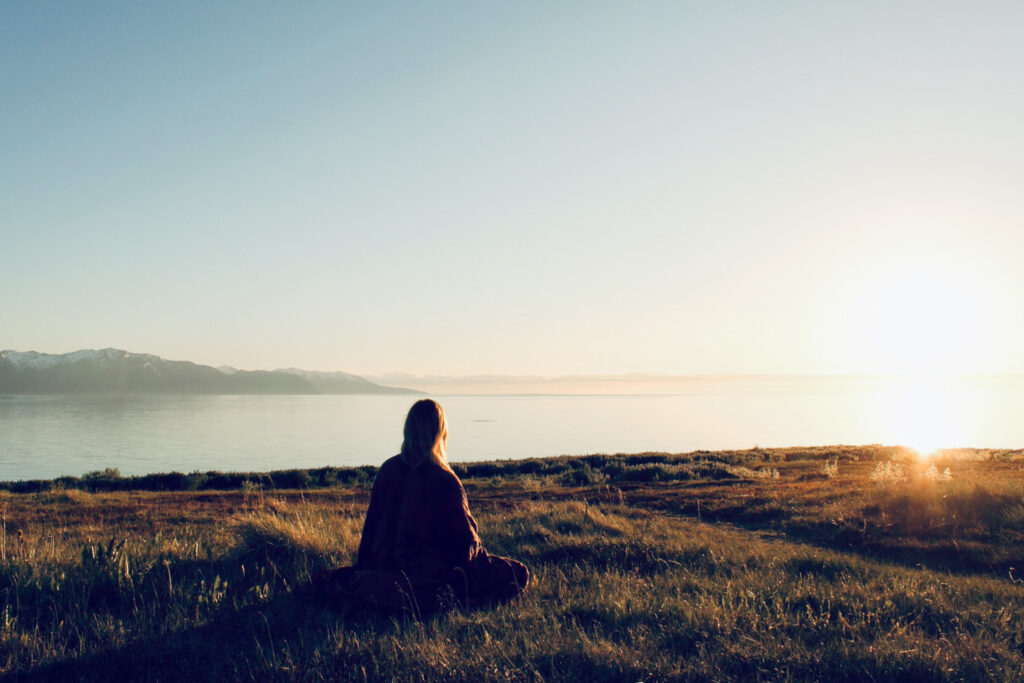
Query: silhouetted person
[(420, 547)]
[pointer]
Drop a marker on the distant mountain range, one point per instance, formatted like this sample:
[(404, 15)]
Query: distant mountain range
[(113, 371)]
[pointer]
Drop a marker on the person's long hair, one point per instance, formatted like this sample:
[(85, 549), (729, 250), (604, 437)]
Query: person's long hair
[(426, 434)]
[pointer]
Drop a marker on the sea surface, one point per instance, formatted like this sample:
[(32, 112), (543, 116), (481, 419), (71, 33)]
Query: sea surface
[(50, 436)]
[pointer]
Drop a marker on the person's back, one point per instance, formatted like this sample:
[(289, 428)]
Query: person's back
[(420, 546), (418, 521)]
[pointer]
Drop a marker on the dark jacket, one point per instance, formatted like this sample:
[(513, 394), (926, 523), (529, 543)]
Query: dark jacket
[(418, 521)]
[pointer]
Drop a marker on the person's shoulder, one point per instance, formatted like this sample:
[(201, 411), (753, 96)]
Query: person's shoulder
[(395, 465), (441, 476), (393, 461)]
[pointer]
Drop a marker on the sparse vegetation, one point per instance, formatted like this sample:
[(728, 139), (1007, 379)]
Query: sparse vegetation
[(887, 473), (703, 566), (831, 468)]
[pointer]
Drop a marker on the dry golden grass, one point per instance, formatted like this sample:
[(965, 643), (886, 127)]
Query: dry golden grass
[(726, 575)]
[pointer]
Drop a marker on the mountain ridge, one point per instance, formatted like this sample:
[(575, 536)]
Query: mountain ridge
[(116, 371)]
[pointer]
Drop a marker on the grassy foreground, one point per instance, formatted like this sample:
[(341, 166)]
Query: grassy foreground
[(848, 563)]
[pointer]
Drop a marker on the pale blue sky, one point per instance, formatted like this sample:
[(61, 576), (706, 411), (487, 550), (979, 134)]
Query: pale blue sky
[(542, 188)]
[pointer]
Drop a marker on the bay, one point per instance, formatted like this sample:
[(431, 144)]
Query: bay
[(50, 436)]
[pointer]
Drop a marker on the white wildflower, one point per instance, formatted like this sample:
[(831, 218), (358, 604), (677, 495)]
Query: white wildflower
[(887, 473)]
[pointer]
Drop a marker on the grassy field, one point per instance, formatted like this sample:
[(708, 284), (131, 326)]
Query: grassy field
[(846, 563)]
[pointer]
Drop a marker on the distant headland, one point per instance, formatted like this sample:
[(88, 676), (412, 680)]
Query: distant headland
[(114, 371)]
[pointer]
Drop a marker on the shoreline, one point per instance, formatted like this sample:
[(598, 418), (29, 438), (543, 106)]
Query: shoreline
[(586, 469)]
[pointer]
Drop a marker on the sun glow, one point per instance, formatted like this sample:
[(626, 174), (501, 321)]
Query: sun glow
[(918, 319), (924, 415)]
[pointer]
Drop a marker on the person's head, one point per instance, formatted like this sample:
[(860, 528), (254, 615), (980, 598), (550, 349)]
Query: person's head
[(426, 434)]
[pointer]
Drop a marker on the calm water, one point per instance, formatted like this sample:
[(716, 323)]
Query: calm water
[(48, 436)]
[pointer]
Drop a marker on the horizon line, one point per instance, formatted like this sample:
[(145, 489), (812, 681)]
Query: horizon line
[(631, 376)]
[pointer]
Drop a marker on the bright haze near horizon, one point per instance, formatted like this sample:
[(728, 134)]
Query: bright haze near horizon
[(522, 188)]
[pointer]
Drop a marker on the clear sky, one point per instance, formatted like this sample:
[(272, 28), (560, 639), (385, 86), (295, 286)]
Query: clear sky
[(539, 188)]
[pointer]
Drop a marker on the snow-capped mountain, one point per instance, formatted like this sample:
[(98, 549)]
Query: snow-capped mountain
[(106, 371), (39, 361), (330, 382)]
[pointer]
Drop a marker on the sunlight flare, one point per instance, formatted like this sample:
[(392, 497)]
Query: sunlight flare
[(923, 416)]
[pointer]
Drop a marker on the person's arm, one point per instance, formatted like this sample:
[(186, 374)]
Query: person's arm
[(456, 524), (370, 525)]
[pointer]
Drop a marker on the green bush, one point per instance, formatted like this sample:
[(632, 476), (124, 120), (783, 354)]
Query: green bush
[(644, 473), (291, 479), (583, 475)]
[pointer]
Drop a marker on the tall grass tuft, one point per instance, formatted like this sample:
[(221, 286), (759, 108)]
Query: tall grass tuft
[(298, 542)]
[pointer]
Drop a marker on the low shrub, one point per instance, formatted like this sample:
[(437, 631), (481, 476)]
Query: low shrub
[(582, 475), (644, 473), (291, 479)]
